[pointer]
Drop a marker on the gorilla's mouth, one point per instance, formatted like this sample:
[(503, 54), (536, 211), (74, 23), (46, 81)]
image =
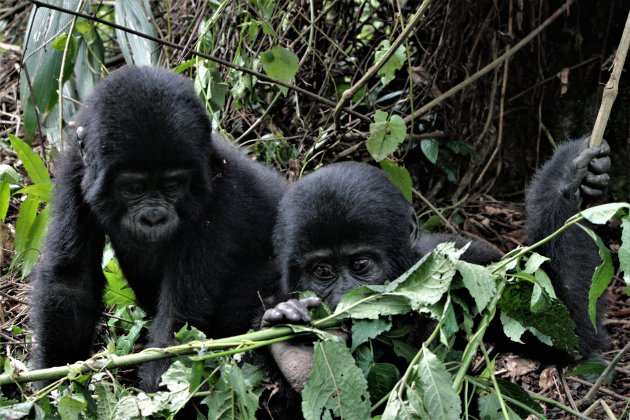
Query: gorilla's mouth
[(150, 234)]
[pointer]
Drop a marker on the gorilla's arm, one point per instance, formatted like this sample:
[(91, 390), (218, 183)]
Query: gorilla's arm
[(66, 297), (574, 170), (478, 252)]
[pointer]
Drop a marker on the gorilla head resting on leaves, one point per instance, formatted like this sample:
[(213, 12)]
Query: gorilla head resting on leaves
[(347, 225), (187, 215)]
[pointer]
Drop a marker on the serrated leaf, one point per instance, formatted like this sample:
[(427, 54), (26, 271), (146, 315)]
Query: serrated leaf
[(32, 162), (553, 320), (395, 62), (431, 149), (479, 281), (365, 329), (490, 408), (399, 176), (440, 400), (106, 401), (71, 406), (336, 387), (280, 63), (385, 135), (513, 329)]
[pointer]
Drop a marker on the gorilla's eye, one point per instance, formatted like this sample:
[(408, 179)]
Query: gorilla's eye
[(132, 188), (324, 272), (360, 265)]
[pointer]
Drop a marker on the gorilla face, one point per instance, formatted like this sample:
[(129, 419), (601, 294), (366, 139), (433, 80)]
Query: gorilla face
[(150, 202)]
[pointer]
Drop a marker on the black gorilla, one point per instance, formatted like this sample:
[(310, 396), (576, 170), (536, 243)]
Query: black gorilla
[(347, 225), (189, 218)]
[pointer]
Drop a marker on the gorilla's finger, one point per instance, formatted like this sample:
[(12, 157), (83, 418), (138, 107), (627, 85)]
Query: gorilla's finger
[(600, 165), (597, 181), (271, 316), (591, 192), (311, 302), (585, 157), (604, 148), (293, 311)]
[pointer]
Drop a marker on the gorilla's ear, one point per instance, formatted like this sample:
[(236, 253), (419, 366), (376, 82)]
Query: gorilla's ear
[(415, 230)]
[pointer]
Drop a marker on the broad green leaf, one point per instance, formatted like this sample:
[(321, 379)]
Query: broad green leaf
[(5, 198), (106, 401), (553, 320), (136, 15), (518, 399), (32, 162), (490, 408), (356, 303), (43, 192), (280, 63), (365, 329), (479, 281), (117, 290), (534, 262), (399, 176), (336, 387), (603, 213), (10, 175), (440, 400), (431, 149), (71, 406), (395, 62), (624, 250), (386, 133), (513, 329), (539, 298), (592, 368), (35, 239), (25, 220), (602, 276), (381, 379)]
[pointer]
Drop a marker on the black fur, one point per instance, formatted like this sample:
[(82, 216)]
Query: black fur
[(208, 271)]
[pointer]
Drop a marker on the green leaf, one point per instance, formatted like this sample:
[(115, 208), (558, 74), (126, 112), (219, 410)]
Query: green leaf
[(385, 135), (553, 320), (381, 379), (16, 411), (603, 213), (431, 149), (399, 176), (513, 329), (35, 239), (592, 368), (71, 406), (10, 175), (395, 63), (32, 162), (365, 329), (336, 387), (5, 198), (25, 220), (136, 15), (117, 290), (624, 250), (280, 63), (490, 408), (43, 192), (602, 276), (440, 400), (106, 401), (534, 262), (514, 394), (479, 281)]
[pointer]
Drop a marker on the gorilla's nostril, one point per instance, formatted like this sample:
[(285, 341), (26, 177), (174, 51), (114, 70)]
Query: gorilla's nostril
[(154, 217)]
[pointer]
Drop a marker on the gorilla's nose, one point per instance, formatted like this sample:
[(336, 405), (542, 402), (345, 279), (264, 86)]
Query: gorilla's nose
[(154, 217)]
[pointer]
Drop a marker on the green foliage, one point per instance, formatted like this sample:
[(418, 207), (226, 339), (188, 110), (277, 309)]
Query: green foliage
[(386, 133), (281, 64), (336, 387), (399, 176), (395, 63), (430, 148)]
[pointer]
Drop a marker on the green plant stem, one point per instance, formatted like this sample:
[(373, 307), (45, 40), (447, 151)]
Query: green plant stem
[(495, 384), (351, 91), (243, 342), (471, 347), (602, 378)]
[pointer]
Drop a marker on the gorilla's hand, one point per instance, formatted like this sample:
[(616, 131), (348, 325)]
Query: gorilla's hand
[(292, 311), (588, 171)]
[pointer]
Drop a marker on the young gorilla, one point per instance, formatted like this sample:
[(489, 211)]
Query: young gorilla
[(187, 215), (346, 225)]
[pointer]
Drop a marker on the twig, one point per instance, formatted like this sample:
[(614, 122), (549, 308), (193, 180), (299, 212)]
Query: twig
[(260, 76), (489, 67), (605, 374), (612, 87), (351, 91)]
